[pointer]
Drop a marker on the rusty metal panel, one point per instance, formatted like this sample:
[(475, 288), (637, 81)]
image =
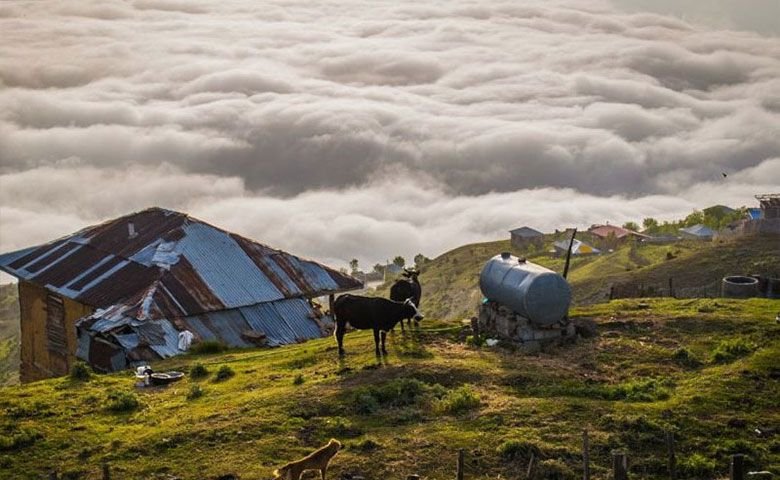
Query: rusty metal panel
[(16, 261), (149, 225), (66, 270)]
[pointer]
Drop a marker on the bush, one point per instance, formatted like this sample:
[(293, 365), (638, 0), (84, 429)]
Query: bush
[(644, 390), (697, 466), (195, 392), (22, 438), (554, 469), (80, 371), (199, 371), (366, 404), (367, 445), (517, 450), (121, 402), (298, 380), (207, 347), (685, 358), (729, 350), (224, 373), (458, 401)]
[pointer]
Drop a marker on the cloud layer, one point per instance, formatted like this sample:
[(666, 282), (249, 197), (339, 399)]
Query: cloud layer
[(337, 130)]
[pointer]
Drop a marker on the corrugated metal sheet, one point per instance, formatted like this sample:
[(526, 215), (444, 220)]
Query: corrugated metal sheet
[(224, 266), (150, 270)]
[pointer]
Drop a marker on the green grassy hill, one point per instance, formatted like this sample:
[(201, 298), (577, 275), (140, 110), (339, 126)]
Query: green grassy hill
[(451, 281), (705, 369), (9, 334)]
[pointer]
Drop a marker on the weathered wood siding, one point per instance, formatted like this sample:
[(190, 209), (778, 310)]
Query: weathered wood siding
[(48, 328)]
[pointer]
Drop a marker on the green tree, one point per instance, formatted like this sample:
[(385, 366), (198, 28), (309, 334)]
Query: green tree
[(696, 217), (631, 226), (420, 260), (650, 223), (379, 268), (353, 265), (400, 261)]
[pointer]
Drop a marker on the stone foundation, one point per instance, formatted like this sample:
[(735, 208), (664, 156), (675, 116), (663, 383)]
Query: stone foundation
[(498, 321)]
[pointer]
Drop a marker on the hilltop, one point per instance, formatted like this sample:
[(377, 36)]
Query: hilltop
[(9, 334), (451, 281), (704, 369)]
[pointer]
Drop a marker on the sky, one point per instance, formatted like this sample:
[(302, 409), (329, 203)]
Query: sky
[(359, 129)]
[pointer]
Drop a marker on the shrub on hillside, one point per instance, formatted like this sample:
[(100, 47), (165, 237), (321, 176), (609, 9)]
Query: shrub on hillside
[(207, 347), (729, 350), (195, 392), (80, 371), (122, 402), (458, 401), (554, 469), (298, 380), (20, 439), (224, 373), (697, 466), (514, 449), (683, 357), (199, 371)]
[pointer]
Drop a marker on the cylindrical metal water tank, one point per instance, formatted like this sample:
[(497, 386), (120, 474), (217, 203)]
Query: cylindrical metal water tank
[(738, 286), (535, 292)]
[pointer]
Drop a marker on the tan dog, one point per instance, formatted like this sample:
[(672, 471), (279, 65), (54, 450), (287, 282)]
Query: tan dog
[(317, 460)]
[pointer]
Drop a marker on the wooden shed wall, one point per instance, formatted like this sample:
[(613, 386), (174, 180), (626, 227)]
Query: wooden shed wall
[(48, 330)]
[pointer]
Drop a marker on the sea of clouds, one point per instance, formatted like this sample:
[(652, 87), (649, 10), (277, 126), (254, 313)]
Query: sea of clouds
[(369, 129)]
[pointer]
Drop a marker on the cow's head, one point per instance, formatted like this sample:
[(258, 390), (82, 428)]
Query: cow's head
[(415, 312)]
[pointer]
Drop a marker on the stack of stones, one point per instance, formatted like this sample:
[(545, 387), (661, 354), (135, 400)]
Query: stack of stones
[(497, 320)]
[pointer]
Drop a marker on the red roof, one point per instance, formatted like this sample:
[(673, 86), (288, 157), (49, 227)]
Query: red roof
[(603, 231)]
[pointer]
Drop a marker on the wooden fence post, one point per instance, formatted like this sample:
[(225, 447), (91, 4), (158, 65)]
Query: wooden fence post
[(585, 456), (737, 467), (671, 287), (106, 472), (460, 464), (672, 460), (620, 466)]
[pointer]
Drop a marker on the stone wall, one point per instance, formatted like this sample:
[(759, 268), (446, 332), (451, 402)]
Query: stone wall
[(498, 321)]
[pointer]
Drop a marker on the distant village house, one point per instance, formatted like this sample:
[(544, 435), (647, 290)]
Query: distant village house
[(522, 237)]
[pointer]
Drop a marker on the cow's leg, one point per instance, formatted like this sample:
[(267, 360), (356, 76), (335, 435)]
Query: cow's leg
[(384, 337), (341, 328), (376, 341), (323, 470), (402, 327)]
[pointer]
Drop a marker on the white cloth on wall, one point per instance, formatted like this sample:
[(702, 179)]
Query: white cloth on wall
[(185, 340)]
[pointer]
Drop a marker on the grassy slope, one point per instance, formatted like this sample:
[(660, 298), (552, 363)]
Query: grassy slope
[(9, 334), (626, 386), (450, 281)]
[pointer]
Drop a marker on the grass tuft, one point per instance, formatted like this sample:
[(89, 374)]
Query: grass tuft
[(195, 392), (224, 373), (199, 371), (80, 372), (729, 350), (208, 347), (459, 401), (122, 402)]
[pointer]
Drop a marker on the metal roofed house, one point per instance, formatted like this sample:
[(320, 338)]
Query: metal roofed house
[(120, 292), (620, 233), (697, 232), (523, 236), (578, 248)]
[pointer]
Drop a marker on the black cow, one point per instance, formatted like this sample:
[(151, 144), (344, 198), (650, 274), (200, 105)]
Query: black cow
[(377, 314), (408, 287)]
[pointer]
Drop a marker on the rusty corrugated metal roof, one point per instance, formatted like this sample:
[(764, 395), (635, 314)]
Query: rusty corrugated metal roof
[(163, 264)]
